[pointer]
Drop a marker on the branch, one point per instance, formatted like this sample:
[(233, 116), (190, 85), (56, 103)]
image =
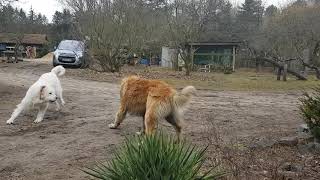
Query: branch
[(311, 66)]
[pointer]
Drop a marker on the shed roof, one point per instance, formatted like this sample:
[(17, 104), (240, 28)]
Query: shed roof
[(233, 43), (36, 39)]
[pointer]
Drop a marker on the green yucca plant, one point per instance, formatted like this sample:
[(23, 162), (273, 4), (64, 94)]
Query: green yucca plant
[(310, 110), (155, 157)]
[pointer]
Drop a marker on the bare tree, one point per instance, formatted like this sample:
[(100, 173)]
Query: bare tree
[(186, 20), (288, 34), (117, 28)]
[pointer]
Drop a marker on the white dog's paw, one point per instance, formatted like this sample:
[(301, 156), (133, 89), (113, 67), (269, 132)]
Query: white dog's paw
[(37, 120), (112, 126), (10, 121), (58, 108), (139, 133), (63, 103)]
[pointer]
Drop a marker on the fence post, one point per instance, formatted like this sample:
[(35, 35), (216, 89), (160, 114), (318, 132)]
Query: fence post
[(285, 70), (306, 57), (233, 58), (279, 73)]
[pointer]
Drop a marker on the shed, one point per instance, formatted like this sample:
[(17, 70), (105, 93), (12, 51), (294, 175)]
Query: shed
[(8, 42), (26, 39), (221, 54), (215, 53)]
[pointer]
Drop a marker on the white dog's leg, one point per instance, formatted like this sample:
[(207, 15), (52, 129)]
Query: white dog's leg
[(42, 111), (58, 107), (15, 113), (59, 94), (60, 100)]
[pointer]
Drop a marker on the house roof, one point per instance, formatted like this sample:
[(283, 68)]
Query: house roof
[(36, 39), (232, 43)]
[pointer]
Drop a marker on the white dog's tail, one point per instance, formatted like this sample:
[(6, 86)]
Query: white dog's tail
[(58, 70), (181, 99)]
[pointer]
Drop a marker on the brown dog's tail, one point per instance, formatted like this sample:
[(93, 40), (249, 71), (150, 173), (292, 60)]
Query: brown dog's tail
[(181, 99)]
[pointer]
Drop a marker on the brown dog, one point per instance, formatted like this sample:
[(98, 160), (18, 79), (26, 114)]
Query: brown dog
[(153, 100)]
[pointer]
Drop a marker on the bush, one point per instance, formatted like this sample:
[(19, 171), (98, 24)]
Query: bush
[(310, 110), (153, 158), (42, 51)]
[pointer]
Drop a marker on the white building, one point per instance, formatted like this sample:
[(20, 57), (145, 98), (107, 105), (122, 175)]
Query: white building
[(168, 56)]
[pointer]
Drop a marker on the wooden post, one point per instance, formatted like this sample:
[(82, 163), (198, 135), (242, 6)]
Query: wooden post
[(306, 57), (285, 70), (233, 58), (192, 57), (258, 65), (175, 64), (279, 73)]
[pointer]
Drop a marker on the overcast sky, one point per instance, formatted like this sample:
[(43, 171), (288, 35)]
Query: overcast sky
[(48, 7)]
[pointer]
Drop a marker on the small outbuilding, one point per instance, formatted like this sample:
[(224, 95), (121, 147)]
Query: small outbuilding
[(27, 43), (215, 53), (221, 54)]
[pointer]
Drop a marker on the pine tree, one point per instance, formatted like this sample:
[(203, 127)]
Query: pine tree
[(22, 16), (31, 16), (249, 17), (271, 10), (300, 3)]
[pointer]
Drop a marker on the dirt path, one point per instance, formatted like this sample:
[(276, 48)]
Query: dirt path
[(77, 137)]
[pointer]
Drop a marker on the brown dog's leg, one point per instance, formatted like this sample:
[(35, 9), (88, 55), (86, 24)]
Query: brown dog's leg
[(175, 121), (142, 131), (121, 114), (150, 121)]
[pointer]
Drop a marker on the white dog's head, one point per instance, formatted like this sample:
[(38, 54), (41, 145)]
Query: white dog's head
[(47, 94)]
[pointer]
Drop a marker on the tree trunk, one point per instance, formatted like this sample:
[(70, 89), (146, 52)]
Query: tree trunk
[(187, 72), (317, 73), (176, 61), (306, 58), (276, 64), (188, 69), (314, 68), (258, 65), (279, 74), (285, 70)]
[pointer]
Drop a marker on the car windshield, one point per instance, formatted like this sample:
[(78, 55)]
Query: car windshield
[(71, 45)]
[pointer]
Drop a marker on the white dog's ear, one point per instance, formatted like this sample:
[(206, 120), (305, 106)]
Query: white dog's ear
[(42, 92)]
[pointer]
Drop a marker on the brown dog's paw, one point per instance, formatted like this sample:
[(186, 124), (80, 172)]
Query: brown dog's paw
[(139, 133), (112, 126)]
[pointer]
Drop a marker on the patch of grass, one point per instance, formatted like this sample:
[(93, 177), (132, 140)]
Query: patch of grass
[(241, 80), (247, 81)]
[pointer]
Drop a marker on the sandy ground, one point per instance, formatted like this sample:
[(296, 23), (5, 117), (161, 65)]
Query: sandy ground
[(65, 142)]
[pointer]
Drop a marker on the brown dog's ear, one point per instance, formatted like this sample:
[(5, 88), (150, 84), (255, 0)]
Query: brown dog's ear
[(42, 92)]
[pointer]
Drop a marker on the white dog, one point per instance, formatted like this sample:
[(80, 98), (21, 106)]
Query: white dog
[(46, 90)]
